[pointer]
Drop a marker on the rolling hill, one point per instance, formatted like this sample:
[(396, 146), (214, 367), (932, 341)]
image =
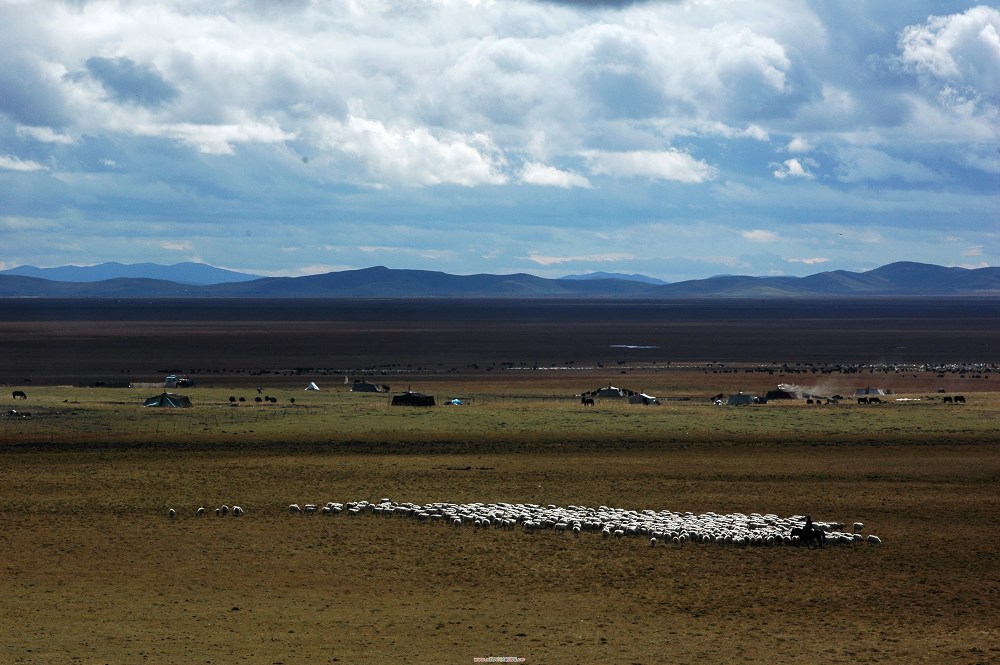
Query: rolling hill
[(896, 279)]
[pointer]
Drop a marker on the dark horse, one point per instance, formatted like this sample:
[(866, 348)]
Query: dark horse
[(587, 401), (807, 536), (19, 393)]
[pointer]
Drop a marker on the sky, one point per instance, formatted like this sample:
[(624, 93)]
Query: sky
[(678, 139)]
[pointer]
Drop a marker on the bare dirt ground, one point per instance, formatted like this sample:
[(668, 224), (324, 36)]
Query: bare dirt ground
[(92, 570)]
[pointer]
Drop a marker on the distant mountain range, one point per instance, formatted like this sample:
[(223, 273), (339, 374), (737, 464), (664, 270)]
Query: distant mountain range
[(616, 275), (896, 279), (182, 273)]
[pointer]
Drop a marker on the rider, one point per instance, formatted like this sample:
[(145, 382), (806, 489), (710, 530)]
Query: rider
[(808, 528)]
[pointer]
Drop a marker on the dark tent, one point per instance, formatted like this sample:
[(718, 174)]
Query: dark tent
[(360, 386), (741, 399), (413, 399), (780, 394), (169, 400)]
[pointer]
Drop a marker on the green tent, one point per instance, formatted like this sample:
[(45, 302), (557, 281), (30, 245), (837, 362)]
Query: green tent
[(169, 400)]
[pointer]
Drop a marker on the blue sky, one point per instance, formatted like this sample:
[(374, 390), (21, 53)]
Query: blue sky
[(678, 139)]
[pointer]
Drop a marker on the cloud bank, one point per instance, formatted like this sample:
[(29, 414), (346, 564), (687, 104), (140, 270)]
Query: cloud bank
[(659, 136)]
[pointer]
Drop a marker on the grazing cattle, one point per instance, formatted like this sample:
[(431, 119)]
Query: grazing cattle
[(959, 399), (19, 394), (232, 400), (948, 399), (874, 400), (587, 401), (258, 400), (862, 400)]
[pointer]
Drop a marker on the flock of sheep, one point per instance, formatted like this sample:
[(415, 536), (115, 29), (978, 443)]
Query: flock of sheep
[(663, 526)]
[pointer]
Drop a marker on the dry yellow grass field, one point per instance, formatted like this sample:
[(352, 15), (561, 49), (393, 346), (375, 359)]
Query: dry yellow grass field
[(92, 570)]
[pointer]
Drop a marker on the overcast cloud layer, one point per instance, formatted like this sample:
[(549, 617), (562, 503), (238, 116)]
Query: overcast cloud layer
[(679, 139)]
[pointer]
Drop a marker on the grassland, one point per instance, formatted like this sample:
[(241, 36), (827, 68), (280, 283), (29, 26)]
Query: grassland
[(93, 571)]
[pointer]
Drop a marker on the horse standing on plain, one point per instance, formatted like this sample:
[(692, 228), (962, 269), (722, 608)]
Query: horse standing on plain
[(808, 535), (19, 394)]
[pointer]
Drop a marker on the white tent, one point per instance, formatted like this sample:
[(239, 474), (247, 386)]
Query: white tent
[(312, 386), (642, 398)]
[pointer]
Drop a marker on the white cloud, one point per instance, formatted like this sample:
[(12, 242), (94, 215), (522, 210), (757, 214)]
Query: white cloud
[(962, 48), (810, 261), (422, 252), (534, 173), (760, 235), (610, 257), (973, 251), (860, 164), (415, 156), (174, 246), (11, 163), (792, 168), (799, 144), (44, 135), (661, 165)]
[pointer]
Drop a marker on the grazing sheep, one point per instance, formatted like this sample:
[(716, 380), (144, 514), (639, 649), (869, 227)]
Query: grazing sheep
[(171, 513), (874, 540), (294, 509), (858, 526), (223, 510), (309, 508), (200, 512), (652, 542), (237, 511)]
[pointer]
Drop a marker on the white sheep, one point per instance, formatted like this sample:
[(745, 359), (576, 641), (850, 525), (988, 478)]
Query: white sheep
[(858, 526), (200, 512), (874, 540), (171, 513), (293, 509), (237, 511)]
